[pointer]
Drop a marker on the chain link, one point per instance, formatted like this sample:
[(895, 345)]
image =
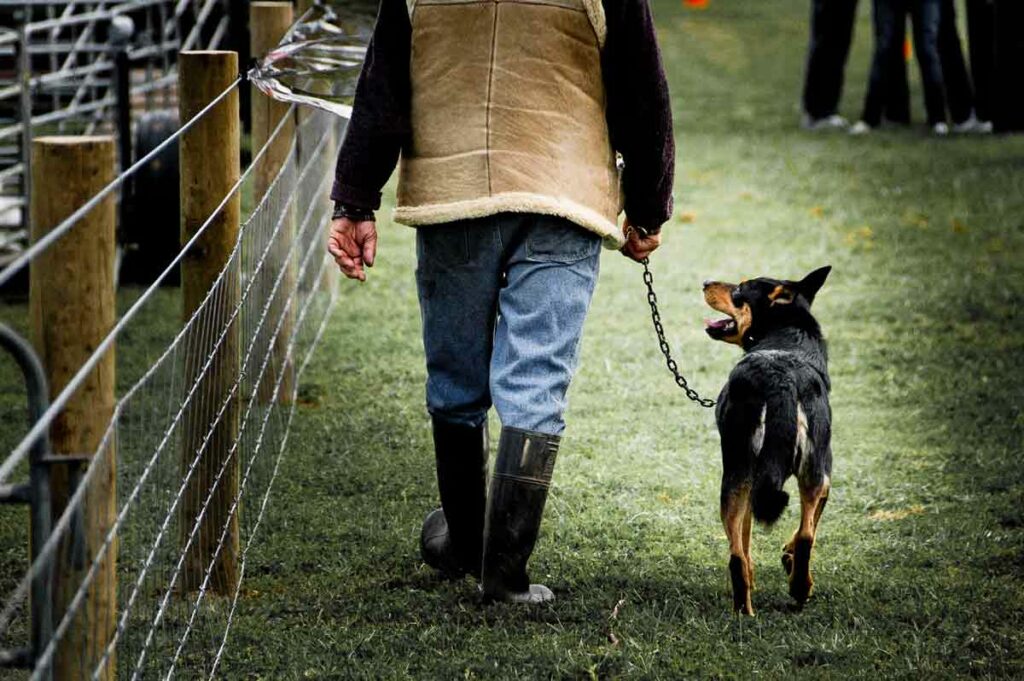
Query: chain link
[(652, 300)]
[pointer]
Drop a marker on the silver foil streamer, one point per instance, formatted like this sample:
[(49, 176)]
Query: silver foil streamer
[(317, 62)]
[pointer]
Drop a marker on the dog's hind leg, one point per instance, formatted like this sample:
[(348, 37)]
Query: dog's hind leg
[(796, 557), (736, 512), (748, 523)]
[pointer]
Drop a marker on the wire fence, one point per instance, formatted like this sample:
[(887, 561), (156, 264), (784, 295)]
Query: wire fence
[(59, 72), (223, 389)]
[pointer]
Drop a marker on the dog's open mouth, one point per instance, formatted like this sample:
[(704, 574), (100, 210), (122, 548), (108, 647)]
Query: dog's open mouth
[(720, 328), (719, 297)]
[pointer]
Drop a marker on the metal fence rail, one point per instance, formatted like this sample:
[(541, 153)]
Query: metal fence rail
[(275, 301), (58, 74)]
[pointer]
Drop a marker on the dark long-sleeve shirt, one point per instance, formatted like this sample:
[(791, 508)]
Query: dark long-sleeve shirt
[(638, 111)]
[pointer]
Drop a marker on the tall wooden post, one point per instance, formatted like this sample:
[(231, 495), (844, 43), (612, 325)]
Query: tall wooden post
[(268, 22), (329, 279), (210, 157), (72, 308)]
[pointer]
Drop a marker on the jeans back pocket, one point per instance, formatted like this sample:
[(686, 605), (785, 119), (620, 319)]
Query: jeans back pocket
[(442, 245), (553, 239)]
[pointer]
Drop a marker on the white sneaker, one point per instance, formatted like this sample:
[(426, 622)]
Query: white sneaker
[(833, 122), (860, 128), (968, 126), (836, 122), (973, 126), (940, 129)]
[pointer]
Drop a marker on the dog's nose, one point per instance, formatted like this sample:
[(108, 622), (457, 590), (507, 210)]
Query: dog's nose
[(707, 282)]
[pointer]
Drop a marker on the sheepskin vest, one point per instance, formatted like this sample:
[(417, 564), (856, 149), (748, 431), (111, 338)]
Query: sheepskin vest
[(508, 114)]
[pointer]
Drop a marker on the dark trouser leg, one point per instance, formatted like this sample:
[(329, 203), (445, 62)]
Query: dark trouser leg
[(831, 32), (959, 96), (889, 19), (1007, 91), (458, 276), (981, 29), (897, 99), (926, 15)]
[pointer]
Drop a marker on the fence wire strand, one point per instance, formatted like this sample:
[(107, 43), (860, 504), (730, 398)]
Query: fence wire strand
[(46, 552), (66, 225), (223, 388)]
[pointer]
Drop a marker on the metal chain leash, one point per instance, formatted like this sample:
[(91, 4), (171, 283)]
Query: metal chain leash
[(652, 300)]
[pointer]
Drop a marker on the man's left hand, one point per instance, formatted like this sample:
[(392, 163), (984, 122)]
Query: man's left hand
[(638, 247)]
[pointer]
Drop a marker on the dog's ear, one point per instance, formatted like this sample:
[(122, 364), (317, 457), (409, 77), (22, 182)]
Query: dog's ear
[(812, 283), (782, 295)]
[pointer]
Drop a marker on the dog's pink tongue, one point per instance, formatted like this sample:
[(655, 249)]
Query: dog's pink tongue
[(716, 324)]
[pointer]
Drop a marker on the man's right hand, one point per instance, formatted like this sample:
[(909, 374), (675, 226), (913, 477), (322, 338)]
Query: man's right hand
[(638, 247), (353, 244)]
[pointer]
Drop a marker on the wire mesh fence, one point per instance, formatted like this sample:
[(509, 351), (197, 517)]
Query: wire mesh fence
[(191, 447)]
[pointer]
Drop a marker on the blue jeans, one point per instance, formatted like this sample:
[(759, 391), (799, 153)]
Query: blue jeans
[(503, 301)]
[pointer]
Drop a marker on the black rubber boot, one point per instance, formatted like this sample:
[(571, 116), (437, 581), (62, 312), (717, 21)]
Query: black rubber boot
[(452, 537), (519, 488)]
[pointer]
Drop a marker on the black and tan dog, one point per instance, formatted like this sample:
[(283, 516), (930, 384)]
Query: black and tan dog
[(774, 420)]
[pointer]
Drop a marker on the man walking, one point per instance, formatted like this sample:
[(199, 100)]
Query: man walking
[(507, 116)]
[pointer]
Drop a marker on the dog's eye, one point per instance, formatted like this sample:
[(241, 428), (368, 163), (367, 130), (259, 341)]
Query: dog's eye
[(737, 300)]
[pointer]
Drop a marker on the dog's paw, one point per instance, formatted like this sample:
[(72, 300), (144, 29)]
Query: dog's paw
[(787, 561), (800, 581), (801, 590)]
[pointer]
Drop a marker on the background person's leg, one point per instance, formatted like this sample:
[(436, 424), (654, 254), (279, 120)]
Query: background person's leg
[(831, 33), (925, 15), (959, 95), (1008, 113), (815, 104), (981, 37), (889, 20), (897, 98)]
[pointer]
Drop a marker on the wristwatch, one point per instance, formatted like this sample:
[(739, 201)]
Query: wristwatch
[(353, 213)]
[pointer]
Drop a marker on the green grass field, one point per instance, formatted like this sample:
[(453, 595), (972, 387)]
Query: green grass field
[(919, 564), (921, 554)]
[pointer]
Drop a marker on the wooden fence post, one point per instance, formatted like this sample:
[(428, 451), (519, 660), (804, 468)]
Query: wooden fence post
[(329, 278), (210, 158), (73, 309), (268, 22)]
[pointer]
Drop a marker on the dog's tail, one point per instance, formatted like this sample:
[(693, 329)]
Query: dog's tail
[(774, 461)]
